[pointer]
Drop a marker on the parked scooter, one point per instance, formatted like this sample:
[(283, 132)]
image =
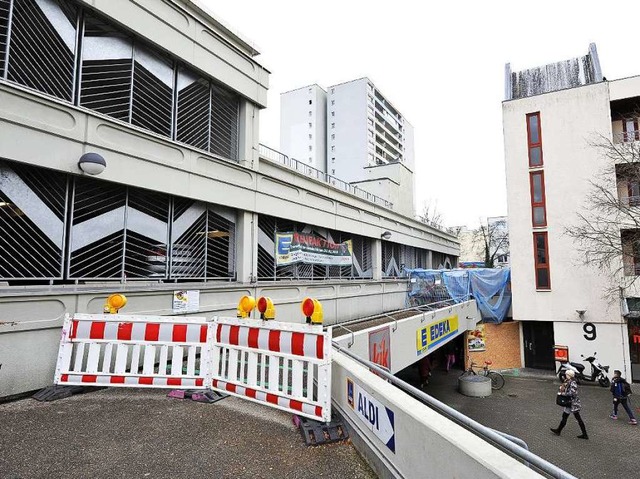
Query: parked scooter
[(598, 371)]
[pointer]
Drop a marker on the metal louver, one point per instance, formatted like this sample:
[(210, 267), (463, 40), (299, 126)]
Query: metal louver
[(152, 92), (32, 222), (224, 124), (42, 48), (5, 6), (194, 102), (97, 233), (107, 69)]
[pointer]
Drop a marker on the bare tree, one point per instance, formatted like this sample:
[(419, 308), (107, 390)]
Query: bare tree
[(430, 215), (494, 241), (607, 231)]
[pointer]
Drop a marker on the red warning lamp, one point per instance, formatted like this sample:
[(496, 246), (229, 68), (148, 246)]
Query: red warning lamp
[(266, 308), (312, 310)]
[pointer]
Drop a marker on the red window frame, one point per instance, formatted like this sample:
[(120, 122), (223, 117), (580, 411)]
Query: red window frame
[(541, 266), (636, 133), (538, 144), (536, 204)]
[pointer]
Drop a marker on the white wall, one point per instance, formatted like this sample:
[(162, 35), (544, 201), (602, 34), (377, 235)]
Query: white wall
[(611, 344), (350, 130), (393, 181), (569, 119), (427, 445), (297, 139)]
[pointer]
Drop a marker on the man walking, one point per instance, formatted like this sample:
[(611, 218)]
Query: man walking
[(621, 391)]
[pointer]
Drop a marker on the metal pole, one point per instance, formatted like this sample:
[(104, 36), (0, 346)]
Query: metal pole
[(483, 431)]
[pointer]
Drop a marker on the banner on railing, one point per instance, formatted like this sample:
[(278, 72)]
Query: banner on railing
[(311, 249)]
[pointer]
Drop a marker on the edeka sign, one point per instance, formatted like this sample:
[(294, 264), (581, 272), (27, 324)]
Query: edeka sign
[(311, 249), (376, 416), (436, 333)]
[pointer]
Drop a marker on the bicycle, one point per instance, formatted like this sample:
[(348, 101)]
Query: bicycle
[(497, 379)]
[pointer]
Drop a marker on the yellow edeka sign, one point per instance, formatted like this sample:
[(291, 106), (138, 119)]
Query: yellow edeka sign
[(436, 333)]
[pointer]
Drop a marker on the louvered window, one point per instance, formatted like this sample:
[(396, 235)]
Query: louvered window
[(32, 222), (224, 124), (194, 100), (5, 6), (152, 91), (42, 45), (107, 69), (119, 74)]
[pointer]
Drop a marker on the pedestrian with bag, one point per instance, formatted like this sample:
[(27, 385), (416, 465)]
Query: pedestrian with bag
[(568, 398), (621, 391)]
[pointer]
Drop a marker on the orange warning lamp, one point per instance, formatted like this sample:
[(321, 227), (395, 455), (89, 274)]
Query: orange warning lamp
[(245, 306), (114, 303), (266, 308), (312, 310)]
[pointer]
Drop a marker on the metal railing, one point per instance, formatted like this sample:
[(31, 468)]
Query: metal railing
[(278, 157), (508, 444)]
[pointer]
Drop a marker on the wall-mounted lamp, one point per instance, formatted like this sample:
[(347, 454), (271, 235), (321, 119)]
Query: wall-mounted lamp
[(386, 235), (581, 313), (92, 163)]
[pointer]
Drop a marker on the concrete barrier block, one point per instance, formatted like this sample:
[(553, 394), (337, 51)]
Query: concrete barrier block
[(475, 386)]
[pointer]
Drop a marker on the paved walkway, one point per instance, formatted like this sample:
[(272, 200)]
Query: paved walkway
[(526, 408), (116, 433)]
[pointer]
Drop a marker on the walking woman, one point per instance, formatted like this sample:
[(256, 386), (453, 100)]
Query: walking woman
[(570, 388)]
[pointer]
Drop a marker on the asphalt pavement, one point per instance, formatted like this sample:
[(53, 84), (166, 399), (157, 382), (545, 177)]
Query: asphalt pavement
[(526, 408), (140, 433)]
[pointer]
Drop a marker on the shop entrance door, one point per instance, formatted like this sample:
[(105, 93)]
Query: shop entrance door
[(538, 344)]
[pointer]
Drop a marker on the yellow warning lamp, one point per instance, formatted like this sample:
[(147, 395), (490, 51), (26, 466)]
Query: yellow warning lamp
[(312, 310), (114, 303), (245, 306), (266, 308)]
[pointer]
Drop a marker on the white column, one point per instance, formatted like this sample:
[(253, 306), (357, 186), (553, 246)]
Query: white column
[(376, 258), (248, 135), (246, 246)]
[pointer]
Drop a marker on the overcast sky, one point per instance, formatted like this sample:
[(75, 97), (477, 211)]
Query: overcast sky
[(441, 64)]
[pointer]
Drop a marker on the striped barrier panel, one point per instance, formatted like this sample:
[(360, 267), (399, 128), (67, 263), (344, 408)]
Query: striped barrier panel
[(135, 351), (282, 365)]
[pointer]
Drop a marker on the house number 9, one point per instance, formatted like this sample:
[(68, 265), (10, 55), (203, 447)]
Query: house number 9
[(589, 331)]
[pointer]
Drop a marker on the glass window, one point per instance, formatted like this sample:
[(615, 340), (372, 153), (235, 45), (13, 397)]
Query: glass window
[(539, 216), (542, 281), (541, 248), (534, 123), (535, 156), (537, 188)]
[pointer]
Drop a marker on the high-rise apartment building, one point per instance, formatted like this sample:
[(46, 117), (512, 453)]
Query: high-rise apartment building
[(368, 142)]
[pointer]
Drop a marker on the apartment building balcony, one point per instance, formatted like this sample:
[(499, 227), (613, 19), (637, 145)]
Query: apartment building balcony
[(388, 138), (388, 127), (625, 116), (388, 148), (630, 241)]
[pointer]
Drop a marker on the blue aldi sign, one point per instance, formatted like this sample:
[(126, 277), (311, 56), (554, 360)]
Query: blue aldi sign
[(378, 418)]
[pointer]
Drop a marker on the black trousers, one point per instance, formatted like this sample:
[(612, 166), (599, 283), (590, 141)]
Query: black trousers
[(565, 416)]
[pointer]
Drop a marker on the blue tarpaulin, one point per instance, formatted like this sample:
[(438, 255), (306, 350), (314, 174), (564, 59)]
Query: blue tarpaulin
[(490, 287)]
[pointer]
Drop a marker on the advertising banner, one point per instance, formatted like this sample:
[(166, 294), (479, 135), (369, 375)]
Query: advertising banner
[(311, 249), (477, 339), (380, 347), (436, 333)]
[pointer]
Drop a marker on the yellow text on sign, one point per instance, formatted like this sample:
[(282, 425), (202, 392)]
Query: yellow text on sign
[(436, 333)]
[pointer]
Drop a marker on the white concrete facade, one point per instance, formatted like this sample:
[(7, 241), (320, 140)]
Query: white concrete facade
[(571, 119), (44, 132), (303, 126)]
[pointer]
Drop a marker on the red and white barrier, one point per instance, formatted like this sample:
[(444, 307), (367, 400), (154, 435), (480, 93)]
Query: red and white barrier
[(284, 365), (134, 351)]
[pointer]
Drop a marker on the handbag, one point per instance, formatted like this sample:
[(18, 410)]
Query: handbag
[(562, 400)]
